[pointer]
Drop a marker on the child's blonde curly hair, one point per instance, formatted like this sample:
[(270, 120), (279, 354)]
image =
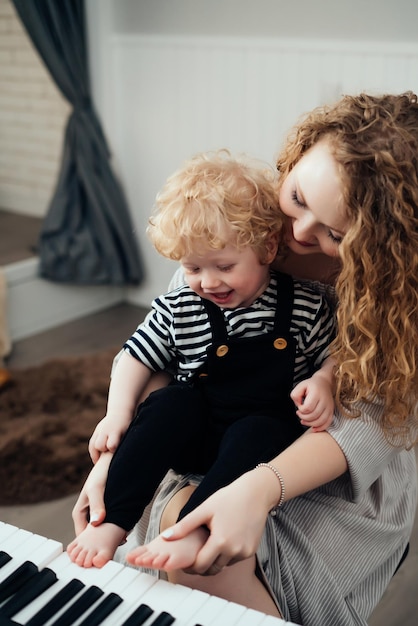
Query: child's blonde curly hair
[(215, 199), (374, 140)]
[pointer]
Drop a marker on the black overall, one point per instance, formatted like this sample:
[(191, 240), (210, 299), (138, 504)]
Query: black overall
[(236, 413)]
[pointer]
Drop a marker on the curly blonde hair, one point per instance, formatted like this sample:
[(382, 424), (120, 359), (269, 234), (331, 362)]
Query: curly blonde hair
[(212, 199), (374, 140)]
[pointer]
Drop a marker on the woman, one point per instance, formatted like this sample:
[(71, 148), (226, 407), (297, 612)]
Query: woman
[(349, 186)]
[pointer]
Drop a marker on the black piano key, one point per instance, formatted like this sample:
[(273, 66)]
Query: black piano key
[(4, 558), (164, 619), (28, 592), (80, 606), (105, 608), (139, 616), (56, 603), (17, 579), (6, 621)]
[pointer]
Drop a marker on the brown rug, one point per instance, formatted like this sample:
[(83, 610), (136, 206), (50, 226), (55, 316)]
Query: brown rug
[(47, 415)]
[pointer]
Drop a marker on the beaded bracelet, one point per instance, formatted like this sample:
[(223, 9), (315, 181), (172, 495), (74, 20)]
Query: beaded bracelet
[(281, 481)]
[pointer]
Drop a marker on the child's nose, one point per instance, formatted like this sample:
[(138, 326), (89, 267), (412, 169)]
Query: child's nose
[(209, 280)]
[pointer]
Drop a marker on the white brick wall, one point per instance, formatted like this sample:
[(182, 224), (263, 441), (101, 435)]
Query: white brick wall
[(33, 115)]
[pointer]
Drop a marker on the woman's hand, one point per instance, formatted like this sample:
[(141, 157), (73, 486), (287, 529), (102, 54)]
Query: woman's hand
[(90, 504), (235, 516)]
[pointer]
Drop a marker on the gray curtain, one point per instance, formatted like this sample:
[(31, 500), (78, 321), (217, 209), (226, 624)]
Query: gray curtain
[(87, 235)]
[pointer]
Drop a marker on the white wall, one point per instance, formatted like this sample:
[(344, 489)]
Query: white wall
[(362, 20), (172, 77)]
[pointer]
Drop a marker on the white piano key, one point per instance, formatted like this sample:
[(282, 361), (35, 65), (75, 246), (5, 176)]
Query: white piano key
[(269, 620), (15, 540), (189, 607), (132, 594), (6, 530), (160, 596), (252, 618), (182, 607), (130, 580), (230, 615), (92, 575), (89, 576), (59, 563), (209, 611), (45, 553), (164, 596), (22, 544)]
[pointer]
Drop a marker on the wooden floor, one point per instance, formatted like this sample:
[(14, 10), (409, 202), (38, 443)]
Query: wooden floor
[(91, 333), (399, 606)]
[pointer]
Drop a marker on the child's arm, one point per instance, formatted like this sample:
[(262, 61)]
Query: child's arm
[(314, 397), (128, 382)]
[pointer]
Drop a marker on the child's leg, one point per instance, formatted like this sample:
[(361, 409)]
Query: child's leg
[(248, 441), (166, 431)]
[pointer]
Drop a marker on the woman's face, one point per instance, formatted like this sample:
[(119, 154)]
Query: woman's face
[(311, 197)]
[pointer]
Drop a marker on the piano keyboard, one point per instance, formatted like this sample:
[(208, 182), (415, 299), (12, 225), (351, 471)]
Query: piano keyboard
[(39, 586)]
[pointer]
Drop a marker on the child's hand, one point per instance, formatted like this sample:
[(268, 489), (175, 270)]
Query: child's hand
[(106, 436), (315, 403)]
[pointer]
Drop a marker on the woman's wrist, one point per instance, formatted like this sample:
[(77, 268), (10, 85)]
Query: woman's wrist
[(279, 478), (275, 488)]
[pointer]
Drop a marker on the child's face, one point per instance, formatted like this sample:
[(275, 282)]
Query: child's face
[(229, 277)]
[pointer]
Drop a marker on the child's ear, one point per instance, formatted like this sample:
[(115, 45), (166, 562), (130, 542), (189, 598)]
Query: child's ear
[(272, 245)]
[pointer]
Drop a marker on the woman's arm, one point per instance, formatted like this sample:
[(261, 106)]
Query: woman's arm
[(311, 461), (90, 504)]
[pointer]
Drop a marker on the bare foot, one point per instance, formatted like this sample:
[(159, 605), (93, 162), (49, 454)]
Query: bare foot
[(169, 555), (96, 545)]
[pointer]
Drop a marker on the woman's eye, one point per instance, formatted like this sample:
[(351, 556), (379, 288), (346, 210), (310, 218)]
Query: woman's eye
[(335, 238), (296, 199)]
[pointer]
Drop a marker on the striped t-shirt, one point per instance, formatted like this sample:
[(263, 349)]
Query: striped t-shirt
[(177, 329)]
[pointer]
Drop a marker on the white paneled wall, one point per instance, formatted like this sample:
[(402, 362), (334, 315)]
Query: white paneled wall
[(174, 96)]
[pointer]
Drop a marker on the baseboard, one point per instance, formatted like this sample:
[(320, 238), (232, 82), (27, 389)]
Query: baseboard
[(35, 304)]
